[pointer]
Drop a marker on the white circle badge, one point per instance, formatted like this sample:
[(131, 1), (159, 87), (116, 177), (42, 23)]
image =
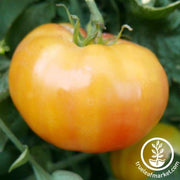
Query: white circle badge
[(154, 149)]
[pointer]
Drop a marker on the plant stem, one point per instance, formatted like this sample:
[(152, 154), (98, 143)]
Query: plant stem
[(11, 136), (96, 16), (68, 162), (105, 162), (96, 21), (17, 143)]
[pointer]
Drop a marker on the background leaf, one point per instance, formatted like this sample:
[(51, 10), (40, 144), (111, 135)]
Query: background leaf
[(9, 11), (32, 17), (150, 12), (64, 175), (3, 140), (4, 63), (7, 157), (12, 118), (4, 88), (23, 158)]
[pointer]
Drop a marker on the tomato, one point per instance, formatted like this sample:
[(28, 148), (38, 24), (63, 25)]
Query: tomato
[(95, 98), (123, 161)]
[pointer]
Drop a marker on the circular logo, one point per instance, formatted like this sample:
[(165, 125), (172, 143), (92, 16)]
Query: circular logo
[(155, 154)]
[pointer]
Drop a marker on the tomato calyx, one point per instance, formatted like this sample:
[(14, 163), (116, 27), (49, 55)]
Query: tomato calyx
[(94, 28)]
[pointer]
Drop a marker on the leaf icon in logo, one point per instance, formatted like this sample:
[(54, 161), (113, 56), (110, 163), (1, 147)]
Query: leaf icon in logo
[(157, 155), (160, 145), (154, 156), (161, 151), (153, 145), (153, 151), (160, 156)]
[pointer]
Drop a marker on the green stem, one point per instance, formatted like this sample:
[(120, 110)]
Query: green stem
[(96, 25), (17, 143), (95, 14), (11, 136), (96, 21), (105, 161), (68, 162), (125, 26), (67, 12)]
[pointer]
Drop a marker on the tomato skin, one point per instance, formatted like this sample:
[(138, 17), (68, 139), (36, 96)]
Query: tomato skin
[(123, 161), (93, 99)]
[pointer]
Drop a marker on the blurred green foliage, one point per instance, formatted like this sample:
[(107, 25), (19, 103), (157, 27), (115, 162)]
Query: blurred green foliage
[(154, 27)]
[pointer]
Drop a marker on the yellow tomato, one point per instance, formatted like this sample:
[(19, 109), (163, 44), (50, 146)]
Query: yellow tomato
[(123, 162), (95, 98)]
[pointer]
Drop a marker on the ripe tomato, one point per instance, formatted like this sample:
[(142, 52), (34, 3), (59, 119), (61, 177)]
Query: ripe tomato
[(95, 98), (123, 161)]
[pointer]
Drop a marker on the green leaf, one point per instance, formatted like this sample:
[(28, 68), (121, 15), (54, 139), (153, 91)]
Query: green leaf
[(163, 41), (34, 16), (3, 47), (83, 169), (172, 112), (9, 11), (111, 10), (146, 11), (4, 89), (3, 140), (7, 157), (76, 9), (12, 118), (65, 175), (32, 177), (146, 2), (4, 63), (23, 158)]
